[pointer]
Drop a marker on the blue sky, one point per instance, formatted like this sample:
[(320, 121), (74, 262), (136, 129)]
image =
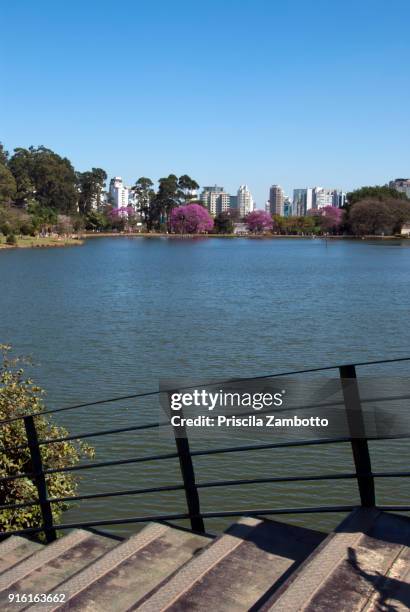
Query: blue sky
[(296, 92)]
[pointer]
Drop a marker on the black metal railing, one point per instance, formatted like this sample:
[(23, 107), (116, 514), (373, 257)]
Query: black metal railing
[(363, 473)]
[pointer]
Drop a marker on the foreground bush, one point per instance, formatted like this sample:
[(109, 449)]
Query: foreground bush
[(18, 396)]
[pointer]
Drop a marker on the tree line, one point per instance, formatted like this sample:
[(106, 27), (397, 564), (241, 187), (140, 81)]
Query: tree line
[(42, 191)]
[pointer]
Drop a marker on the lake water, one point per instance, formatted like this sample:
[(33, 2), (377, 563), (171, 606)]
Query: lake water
[(115, 316)]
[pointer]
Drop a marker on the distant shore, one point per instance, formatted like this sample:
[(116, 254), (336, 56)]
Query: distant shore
[(32, 242), (251, 236)]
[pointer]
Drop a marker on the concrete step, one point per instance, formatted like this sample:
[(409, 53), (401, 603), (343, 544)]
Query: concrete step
[(238, 571), (15, 549), (356, 568), (47, 568), (129, 571)]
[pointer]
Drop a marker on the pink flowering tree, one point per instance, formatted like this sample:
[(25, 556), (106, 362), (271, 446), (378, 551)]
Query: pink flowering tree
[(329, 218), (259, 221), (190, 219)]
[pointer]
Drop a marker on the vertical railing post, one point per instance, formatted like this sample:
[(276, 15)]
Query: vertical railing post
[(40, 480), (188, 475), (360, 448)]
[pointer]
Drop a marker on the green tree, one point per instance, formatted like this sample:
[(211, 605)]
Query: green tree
[(145, 194), (378, 192), (8, 187), (91, 185), (223, 223), (20, 396), (168, 197), (4, 155), (96, 220), (187, 186), (43, 218), (43, 175), (21, 166)]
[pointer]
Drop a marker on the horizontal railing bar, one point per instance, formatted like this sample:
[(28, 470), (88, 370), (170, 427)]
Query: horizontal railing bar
[(229, 483), (232, 380), (221, 514), (251, 447), (54, 500), (238, 414), (138, 519), (93, 434), (89, 466), (97, 433), (391, 474), (198, 453), (233, 449), (77, 406), (394, 508), (183, 516), (203, 485), (16, 476), (217, 483)]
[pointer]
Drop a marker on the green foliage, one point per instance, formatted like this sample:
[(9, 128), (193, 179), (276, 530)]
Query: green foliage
[(43, 218), (91, 185), (378, 192), (15, 221), (145, 194), (7, 185), (96, 220), (172, 192), (4, 155), (296, 225), (42, 174), (223, 223), (20, 396), (11, 239)]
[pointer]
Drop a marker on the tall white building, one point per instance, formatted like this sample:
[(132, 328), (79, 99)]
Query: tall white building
[(245, 202), (119, 193), (215, 199)]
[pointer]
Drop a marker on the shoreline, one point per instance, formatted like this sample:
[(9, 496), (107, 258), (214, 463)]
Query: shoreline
[(234, 236), (49, 243), (43, 243)]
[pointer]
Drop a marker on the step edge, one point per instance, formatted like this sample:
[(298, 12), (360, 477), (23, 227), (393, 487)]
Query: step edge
[(37, 559), (97, 569), (197, 567), (340, 538)]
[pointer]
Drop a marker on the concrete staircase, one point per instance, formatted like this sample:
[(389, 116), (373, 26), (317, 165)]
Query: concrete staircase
[(255, 565)]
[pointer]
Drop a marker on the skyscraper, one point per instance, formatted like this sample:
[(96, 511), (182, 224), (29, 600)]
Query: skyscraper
[(302, 201), (276, 200), (244, 201), (287, 207), (215, 199)]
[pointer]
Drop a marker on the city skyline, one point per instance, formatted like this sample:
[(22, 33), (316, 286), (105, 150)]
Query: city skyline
[(218, 200)]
